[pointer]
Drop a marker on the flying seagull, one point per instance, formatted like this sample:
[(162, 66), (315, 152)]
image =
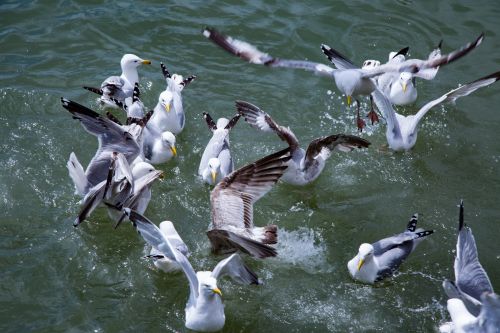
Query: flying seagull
[(304, 166), (350, 80), (379, 260)]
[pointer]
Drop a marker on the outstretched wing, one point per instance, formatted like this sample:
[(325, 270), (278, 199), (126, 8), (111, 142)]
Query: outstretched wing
[(235, 268), (252, 55), (454, 94), (233, 198), (336, 58), (261, 120), (341, 142)]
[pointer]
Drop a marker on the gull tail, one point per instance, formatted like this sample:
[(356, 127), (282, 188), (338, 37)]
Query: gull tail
[(224, 241), (97, 91), (77, 175), (412, 225)]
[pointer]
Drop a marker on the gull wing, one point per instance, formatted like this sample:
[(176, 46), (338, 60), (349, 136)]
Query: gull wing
[(470, 276), (233, 198), (336, 58), (235, 268), (154, 237), (259, 119), (252, 55), (341, 142), (454, 94), (415, 65)]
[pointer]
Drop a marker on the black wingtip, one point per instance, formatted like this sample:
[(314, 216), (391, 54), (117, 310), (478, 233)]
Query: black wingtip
[(412, 224), (210, 122), (461, 215), (440, 44), (403, 52), (97, 91), (232, 122), (164, 70)]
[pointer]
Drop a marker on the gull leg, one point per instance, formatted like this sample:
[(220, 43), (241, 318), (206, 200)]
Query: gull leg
[(360, 122), (372, 115)]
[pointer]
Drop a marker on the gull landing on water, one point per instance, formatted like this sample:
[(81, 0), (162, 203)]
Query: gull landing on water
[(304, 166), (204, 309), (232, 201), (379, 260), (401, 132), (120, 87), (350, 80)]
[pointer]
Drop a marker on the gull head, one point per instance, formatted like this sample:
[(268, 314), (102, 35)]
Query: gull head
[(175, 82), (207, 285), (365, 253), (168, 140), (141, 169), (214, 166), (405, 80), (165, 100), (130, 61)]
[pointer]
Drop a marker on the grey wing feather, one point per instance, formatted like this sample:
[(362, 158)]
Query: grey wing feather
[(233, 198), (390, 260), (252, 55), (336, 58), (235, 268), (90, 202), (341, 142), (470, 276), (259, 119), (489, 317), (226, 161)]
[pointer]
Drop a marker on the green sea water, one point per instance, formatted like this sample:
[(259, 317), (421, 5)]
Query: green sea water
[(57, 278)]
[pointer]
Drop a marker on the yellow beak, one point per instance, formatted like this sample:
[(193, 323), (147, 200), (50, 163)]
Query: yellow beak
[(404, 87), (174, 151), (360, 263), (146, 62), (217, 291), (214, 176), (349, 100), (161, 176), (167, 107)]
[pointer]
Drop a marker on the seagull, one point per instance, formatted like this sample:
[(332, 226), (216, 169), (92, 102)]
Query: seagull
[(379, 260), (204, 309), (353, 81), (157, 147), (144, 175), (400, 87), (304, 166), (216, 161), (471, 280), (120, 87), (112, 138), (350, 80), (232, 201), (169, 113), (401, 132)]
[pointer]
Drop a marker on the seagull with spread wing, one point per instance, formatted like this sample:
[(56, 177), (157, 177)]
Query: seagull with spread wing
[(204, 309), (401, 132), (120, 87), (304, 166), (379, 260), (232, 201), (350, 80)]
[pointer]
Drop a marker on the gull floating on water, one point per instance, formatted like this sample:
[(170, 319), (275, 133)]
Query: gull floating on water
[(304, 166), (472, 304), (120, 87), (401, 132), (216, 161), (350, 80), (232, 201), (169, 112), (204, 309), (379, 260)]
